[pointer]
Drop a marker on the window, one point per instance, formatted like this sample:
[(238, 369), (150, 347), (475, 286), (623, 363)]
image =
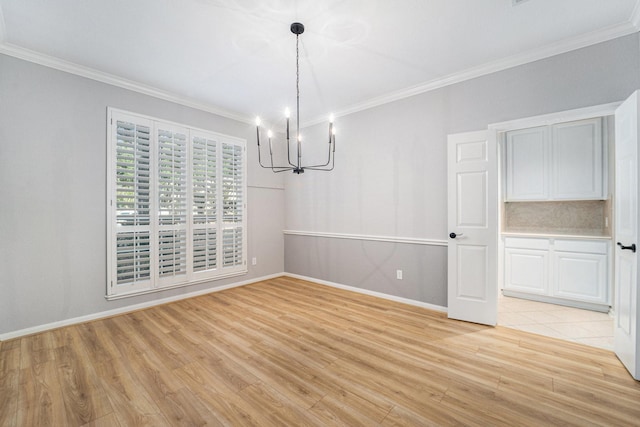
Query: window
[(176, 205)]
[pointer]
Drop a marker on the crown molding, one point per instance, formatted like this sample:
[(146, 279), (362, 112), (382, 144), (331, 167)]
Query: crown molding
[(635, 16), (609, 33), (548, 51), (90, 73)]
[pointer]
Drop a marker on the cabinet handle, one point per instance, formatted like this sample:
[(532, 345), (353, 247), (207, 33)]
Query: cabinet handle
[(454, 235), (631, 248)]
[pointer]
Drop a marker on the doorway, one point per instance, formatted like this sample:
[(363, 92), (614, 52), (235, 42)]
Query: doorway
[(539, 312)]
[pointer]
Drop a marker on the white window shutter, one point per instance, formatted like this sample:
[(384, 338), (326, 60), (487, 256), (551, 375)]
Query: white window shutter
[(130, 260), (233, 199), (204, 183), (172, 203), (176, 205)]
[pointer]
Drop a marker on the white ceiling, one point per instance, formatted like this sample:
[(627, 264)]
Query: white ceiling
[(238, 56)]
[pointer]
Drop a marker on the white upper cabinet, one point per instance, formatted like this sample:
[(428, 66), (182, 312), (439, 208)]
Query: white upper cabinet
[(528, 164), (561, 162), (577, 160)]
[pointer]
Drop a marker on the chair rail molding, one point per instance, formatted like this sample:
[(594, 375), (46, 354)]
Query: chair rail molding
[(390, 239)]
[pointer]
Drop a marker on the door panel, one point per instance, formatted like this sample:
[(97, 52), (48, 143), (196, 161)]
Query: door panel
[(472, 191), (472, 269)]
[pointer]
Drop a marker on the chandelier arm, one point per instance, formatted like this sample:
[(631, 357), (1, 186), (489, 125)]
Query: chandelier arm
[(273, 168), (320, 169), (260, 157), (329, 157), (280, 168), (289, 147), (323, 167), (284, 170)]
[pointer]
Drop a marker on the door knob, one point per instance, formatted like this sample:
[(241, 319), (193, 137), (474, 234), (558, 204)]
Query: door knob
[(631, 248), (454, 235)]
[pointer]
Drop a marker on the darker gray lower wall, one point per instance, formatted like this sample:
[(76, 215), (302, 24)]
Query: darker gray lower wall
[(372, 265)]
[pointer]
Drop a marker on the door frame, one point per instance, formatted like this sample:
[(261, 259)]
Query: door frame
[(497, 130)]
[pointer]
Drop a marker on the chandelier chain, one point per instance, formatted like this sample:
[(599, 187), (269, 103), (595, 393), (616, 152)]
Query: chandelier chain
[(297, 88)]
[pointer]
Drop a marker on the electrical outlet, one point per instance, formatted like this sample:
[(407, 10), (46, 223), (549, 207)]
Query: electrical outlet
[(254, 261), (399, 274)]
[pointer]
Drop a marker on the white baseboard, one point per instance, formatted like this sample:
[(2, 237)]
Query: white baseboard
[(371, 293), (127, 309), (122, 310)]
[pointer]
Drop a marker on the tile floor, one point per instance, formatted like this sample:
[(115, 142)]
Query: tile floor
[(572, 324)]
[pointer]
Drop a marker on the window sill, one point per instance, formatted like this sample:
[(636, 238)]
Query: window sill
[(115, 297)]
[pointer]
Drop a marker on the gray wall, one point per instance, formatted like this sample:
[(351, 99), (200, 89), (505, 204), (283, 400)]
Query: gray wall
[(53, 192), (390, 176)]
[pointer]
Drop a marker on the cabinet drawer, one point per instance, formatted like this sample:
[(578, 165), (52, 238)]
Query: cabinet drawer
[(524, 243), (582, 246)]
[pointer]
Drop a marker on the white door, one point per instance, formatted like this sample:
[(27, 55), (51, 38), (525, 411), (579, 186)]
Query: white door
[(473, 234), (626, 234)]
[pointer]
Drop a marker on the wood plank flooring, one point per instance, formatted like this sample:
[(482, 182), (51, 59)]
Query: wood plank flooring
[(285, 352)]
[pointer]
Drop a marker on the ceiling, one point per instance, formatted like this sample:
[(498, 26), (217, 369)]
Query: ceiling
[(237, 57)]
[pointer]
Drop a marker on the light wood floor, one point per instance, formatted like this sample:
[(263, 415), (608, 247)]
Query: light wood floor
[(290, 353)]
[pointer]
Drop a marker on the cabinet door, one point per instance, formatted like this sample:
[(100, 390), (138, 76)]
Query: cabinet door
[(527, 168), (577, 160), (580, 276), (526, 270)]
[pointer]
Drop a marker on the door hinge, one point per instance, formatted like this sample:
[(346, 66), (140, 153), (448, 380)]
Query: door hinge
[(112, 283)]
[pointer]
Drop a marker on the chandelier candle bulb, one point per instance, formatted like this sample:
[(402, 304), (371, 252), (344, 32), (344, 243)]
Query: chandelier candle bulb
[(269, 135)]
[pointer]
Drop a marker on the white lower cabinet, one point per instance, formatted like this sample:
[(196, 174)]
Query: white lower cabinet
[(558, 270)]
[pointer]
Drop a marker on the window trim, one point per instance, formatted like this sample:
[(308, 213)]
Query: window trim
[(155, 283)]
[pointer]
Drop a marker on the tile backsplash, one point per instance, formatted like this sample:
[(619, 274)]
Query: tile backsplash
[(585, 217)]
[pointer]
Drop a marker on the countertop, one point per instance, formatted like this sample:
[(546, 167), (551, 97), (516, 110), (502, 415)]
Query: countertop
[(554, 235)]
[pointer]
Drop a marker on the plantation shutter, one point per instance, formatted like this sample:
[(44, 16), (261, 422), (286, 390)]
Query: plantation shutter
[(233, 199), (172, 204), (204, 182), (131, 204), (176, 205)]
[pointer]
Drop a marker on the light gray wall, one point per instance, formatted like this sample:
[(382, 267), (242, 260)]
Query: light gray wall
[(390, 176), (53, 190)]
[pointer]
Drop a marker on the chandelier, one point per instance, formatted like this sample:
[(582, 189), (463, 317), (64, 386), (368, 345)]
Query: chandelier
[(297, 166)]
